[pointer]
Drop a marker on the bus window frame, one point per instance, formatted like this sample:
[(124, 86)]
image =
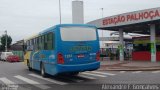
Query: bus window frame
[(44, 40)]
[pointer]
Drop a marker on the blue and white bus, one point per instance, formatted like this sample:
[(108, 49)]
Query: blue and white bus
[(64, 48)]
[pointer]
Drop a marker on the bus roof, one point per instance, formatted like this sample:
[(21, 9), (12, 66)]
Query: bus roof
[(58, 25), (30, 37), (63, 25)]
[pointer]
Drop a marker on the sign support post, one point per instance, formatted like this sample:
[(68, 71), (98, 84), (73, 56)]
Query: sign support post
[(153, 42), (121, 46)]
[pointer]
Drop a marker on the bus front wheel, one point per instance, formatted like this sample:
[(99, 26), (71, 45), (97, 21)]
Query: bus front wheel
[(43, 70), (29, 67)]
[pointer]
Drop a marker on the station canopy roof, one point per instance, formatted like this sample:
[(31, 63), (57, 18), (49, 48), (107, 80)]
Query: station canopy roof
[(132, 22)]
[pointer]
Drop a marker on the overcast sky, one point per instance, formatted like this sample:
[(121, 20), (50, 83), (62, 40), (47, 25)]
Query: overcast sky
[(22, 18)]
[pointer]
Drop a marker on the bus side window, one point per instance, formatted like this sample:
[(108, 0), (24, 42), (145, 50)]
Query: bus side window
[(32, 44), (50, 41), (42, 42), (45, 42), (36, 46), (27, 45), (53, 41)]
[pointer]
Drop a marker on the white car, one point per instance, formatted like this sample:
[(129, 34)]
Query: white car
[(4, 55)]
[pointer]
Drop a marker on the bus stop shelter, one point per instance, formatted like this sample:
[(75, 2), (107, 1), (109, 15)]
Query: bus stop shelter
[(142, 22)]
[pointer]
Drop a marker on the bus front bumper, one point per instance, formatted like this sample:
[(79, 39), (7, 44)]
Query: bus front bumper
[(78, 67)]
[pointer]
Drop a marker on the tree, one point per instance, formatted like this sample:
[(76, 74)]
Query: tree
[(3, 42)]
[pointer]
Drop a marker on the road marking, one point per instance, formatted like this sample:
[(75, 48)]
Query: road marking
[(74, 79), (110, 74), (156, 72), (87, 77), (122, 71), (9, 84), (47, 79), (36, 84), (93, 74), (137, 72), (6, 81)]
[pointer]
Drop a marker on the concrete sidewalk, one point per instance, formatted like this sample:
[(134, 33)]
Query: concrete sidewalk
[(115, 65)]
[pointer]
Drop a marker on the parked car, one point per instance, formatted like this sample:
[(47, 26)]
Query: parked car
[(4, 55), (13, 58)]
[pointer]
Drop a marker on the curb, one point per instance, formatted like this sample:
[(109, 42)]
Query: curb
[(137, 69)]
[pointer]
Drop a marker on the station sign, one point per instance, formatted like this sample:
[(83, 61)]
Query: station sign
[(128, 18)]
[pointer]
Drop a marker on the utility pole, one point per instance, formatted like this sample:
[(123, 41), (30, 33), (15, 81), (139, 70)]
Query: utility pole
[(6, 41)]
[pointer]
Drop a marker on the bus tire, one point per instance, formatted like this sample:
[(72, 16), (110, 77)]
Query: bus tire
[(74, 73), (43, 70), (29, 67)]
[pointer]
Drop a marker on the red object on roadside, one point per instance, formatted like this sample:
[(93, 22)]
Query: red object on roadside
[(158, 56), (13, 58), (144, 56)]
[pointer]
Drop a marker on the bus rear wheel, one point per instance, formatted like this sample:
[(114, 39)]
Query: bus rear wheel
[(43, 70), (74, 73)]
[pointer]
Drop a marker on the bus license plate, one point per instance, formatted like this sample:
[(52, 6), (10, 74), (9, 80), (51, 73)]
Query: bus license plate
[(80, 56)]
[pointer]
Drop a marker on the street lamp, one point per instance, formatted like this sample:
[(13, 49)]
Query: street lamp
[(102, 30), (102, 36), (60, 11), (102, 17), (6, 41)]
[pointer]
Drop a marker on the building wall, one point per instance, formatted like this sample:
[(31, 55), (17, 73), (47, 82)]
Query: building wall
[(77, 12)]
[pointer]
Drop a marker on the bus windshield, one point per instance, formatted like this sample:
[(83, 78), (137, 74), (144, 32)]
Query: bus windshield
[(78, 34)]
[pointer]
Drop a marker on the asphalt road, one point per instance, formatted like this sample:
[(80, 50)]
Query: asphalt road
[(17, 77)]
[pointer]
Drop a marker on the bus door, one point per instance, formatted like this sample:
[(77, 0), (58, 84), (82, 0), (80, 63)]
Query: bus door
[(36, 60)]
